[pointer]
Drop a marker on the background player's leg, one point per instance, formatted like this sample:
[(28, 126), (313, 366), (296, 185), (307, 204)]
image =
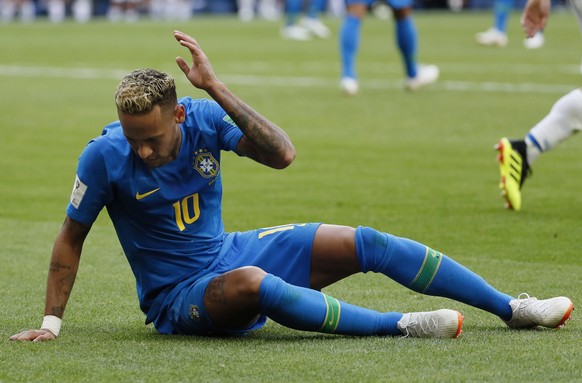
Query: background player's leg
[(406, 40), (564, 119)]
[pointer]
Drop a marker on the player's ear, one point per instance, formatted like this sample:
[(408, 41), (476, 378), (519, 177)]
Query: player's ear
[(180, 113)]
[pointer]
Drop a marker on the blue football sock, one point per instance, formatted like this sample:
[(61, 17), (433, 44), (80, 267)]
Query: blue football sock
[(406, 41), (427, 271), (315, 8), (349, 42), (501, 11), (292, 9), (310, 310)]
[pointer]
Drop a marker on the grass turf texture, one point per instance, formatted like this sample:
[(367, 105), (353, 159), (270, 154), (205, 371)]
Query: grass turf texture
[(417, 165)]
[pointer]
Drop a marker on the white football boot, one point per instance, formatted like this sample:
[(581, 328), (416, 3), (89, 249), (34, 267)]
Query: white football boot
[(295, 32), (349, 86), (425, 75), (433, 324), (531, 312), (492, 37), (316, 27), (535, 42)]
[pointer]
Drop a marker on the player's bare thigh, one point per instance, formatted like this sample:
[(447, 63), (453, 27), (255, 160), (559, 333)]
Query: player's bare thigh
[(231, 299), (333, 256)]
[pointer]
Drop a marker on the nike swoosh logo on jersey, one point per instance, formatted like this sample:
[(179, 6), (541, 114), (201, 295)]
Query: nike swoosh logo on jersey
[(142, 196)]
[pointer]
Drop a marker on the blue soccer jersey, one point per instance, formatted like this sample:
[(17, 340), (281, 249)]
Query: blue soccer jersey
[(168, 219)]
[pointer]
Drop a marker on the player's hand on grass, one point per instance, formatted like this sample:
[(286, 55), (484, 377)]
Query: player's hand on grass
[(34, 335), (200, 74)]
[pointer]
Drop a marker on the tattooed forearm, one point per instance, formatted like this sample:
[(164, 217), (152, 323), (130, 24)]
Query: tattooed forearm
[(60, 287), (64, 265), (264, 141), (57, 311), (263, 133), (56, 266), (66, 284)]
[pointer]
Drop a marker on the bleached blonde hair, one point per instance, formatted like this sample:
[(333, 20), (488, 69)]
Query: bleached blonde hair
[(142, 89)]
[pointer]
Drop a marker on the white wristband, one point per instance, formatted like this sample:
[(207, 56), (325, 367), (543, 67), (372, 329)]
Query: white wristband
[(52, 323)]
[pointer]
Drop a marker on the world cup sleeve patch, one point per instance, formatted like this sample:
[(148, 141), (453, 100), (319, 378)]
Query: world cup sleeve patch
[(79, 189), (227, 118)]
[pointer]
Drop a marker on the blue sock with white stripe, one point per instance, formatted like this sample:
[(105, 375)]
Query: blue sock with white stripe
[(310, 310), (427, 271)]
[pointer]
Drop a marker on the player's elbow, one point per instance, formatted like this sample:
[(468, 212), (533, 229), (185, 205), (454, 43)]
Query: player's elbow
[(286, 158)]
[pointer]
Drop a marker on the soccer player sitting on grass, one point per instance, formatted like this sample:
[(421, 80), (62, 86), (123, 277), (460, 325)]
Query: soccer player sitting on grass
[(157, 171)]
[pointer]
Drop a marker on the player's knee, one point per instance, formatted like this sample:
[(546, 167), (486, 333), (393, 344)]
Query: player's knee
[(245, 281), (373, 249), (231, 299)]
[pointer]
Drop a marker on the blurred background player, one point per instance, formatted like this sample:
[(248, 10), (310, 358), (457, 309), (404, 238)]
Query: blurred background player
[(170, 10), (417, 76), (123, 10), (564, 120), (81, 10), (24, 9), (302, 29), (497, 34), (266, 9)]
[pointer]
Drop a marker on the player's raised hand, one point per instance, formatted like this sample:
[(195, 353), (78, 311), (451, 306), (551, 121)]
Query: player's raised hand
[(200, 74), (535, 16), (34, 335)]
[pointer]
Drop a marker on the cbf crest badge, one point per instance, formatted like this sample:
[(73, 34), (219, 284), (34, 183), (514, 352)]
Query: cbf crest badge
[(194, 312), (205, 163)]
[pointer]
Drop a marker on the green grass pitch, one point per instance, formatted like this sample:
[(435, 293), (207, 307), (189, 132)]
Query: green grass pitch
[(418, 165)]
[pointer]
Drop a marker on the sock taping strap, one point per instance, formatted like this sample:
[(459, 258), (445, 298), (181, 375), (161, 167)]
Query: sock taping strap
[(332, 315), (428, 270)]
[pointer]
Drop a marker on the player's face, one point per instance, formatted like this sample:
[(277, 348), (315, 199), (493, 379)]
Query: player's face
[(154, 136)]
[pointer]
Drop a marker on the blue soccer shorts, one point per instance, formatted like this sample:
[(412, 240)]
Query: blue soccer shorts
[(394, 4), (284, 251)]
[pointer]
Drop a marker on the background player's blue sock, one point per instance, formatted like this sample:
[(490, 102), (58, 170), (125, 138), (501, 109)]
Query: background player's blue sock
[(406, 41), (422, 269), (501, 10), (349, 42), (292, 9), (310, 310), (315, 8)]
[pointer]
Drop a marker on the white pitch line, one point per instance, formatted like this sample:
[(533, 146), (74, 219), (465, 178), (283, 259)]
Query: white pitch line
[(396, 68), (61, 72), (302, 82), (525, 87)]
